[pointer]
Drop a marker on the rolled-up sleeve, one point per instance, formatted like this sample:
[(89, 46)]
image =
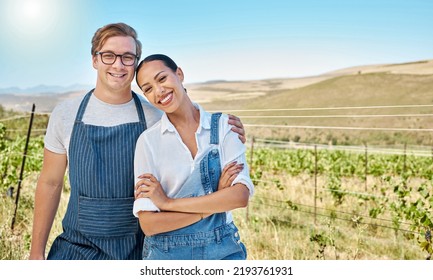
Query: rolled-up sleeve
[(234, 150), (143, 163), (244, 175), (143, 204)]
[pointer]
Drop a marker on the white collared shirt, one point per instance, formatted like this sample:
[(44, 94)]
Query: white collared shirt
[(161, 152)]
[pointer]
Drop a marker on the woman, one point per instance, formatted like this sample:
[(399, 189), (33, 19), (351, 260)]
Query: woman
[(183, 199)]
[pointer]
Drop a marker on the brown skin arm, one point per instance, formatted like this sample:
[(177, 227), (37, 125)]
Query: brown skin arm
[(47, 198), (225, 199), (158, 222), (229, 174)]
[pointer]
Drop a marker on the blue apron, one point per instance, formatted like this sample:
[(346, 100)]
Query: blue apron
[(99, 223), (209, 239)]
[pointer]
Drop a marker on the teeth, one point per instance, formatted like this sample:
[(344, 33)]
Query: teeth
[(116, 75), (166, 98)]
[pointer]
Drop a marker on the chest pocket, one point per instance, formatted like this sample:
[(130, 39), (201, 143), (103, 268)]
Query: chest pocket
[(106, 217)]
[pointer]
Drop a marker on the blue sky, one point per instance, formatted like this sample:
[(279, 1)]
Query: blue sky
[(48, 41)]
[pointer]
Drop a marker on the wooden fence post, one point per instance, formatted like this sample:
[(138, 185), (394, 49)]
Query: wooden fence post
[(366, 166), (404, 166), (315, 184), (22, 166), (251, 170)]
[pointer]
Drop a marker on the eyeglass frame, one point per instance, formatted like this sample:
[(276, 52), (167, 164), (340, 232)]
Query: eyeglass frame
[(117, 55)]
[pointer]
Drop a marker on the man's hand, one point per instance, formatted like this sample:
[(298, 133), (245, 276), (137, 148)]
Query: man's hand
[(238, 127)]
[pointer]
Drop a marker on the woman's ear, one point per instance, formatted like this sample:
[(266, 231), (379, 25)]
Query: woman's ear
[(179, 73)]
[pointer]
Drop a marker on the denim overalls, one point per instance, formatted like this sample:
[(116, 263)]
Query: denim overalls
[(99, 223), (209, 239)]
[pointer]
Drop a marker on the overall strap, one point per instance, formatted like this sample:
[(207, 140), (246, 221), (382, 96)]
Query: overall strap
[(214, 131)]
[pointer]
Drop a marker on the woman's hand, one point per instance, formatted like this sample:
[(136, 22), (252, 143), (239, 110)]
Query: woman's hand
[(150, 187), (228, 174)]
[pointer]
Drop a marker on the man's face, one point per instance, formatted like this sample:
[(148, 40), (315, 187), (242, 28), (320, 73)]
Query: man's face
[(116, 77)]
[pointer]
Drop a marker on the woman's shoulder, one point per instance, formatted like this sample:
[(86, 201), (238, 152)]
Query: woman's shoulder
[(224, 125), (223, 118), (151, 133)]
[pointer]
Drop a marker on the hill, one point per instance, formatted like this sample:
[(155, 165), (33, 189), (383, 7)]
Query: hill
[(45, 103), (384, 92), (384, 97), (210, 92), (383, 85)]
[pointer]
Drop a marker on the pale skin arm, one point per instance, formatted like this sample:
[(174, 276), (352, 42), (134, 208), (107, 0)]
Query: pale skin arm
[(47, 198), (158, 222)]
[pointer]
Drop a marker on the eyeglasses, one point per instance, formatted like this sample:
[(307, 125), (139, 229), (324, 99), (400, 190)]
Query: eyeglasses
[(109, 58)]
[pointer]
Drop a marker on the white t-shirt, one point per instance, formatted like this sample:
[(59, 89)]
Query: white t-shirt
[(161, 152), (98, 113)]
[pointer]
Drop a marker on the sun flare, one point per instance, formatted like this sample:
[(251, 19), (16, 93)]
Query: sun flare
[(31, 10), (32, 18)]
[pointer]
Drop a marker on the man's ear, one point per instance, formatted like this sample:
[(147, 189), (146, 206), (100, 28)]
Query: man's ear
[(95, 61)]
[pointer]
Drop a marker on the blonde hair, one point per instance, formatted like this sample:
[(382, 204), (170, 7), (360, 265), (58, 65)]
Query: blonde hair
[(111, 30)]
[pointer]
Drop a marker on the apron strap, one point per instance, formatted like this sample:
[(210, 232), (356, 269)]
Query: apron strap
[(214, 133), (140, 111), (83, 106)]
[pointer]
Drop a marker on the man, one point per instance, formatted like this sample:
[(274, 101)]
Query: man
[(94, 137)]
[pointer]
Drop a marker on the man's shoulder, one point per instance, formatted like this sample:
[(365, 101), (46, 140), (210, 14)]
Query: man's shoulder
[(151, 134), (74, 101), (145, 102), (68, 107), (152, 114)]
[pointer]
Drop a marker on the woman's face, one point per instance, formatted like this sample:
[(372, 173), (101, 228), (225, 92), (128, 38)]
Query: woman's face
[(161, 85)]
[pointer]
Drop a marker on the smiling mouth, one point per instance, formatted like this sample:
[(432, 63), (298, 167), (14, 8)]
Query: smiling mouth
[(117, 75), (166, 99)]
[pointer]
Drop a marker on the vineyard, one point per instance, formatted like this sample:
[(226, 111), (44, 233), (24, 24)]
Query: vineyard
[(319, 185), (312, 201)]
